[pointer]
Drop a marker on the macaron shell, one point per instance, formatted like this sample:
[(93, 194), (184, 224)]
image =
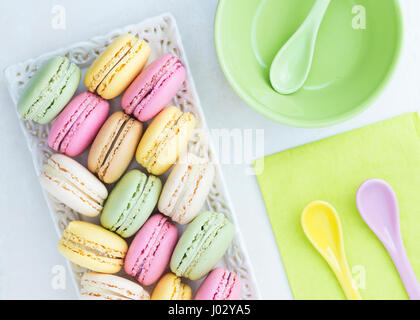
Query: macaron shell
[(186, 188), (124, 74), (88, 129), (103, 140), (236, 291), (66, 94), (68, 195), (117, 74), (142, 80), (211, 256), (121, 198), (161, 253), (181, 128), (63, 121), (41, 81), (170, 287), (160, 93), (81, 174), (175, 145), (190, 242), (88, 233), (93, 232), (216, 285), (76, 128), (38, 83), (102, 64), (117, 162), (145, 208), (106, 265), (143, 83), (71, 183), (121, 159), (147, 143)]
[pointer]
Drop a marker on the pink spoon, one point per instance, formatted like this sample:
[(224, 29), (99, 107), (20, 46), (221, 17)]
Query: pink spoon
[(378, 206)]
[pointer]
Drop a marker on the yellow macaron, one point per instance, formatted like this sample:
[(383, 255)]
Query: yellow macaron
[(93, 247), (165, 139), (170, 287), (112, 72)]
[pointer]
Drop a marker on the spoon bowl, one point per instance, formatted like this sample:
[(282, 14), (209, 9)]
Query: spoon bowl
[(378, 206), (290, 68)]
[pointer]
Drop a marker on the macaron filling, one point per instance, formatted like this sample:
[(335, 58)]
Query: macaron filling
[(105, 75), (107, 67), (142, 265), (201, 241), (179, 289), (181, 199), (49, 94), (225, 287), (110, 290), (132, 211), (91, 249), (110, 148), (171, 129), (101, 291), (59, 175), (149, 89), (63, 139)]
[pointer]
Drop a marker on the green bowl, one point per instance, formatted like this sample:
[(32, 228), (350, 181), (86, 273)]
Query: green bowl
[(350, 66)]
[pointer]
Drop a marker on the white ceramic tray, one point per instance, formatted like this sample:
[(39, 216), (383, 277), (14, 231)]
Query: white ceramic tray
[(162, 34)]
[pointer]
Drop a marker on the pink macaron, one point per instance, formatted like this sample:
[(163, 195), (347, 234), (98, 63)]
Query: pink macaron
[(77, 125), (154, 87), (151, 249), (220, 284)]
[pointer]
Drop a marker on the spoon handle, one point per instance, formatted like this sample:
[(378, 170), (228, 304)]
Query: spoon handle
[(346, 282), (317, 13), (403, 265), (341, 269)]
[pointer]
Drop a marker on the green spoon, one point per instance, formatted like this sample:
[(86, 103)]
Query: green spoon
[(290, 68)]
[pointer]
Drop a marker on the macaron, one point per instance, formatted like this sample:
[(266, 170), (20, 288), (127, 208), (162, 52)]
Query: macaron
[(114, 146), (100, 286), (93, 247), (130, 203), (165, 139), (202, 245), (115, 68), (71, 183), (77, 125), (186, 188), (220, 284), (49, 90), (151, 249), (154, 87), (170, 287)]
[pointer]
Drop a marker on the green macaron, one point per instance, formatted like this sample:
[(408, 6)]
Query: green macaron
[(49, 90), (130, 203), (202, 245)]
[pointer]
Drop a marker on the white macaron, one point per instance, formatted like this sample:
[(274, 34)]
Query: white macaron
[(187, 188), (71, 183), (99, 286)]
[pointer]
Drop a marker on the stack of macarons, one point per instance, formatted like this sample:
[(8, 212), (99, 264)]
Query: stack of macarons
[(130, 237)]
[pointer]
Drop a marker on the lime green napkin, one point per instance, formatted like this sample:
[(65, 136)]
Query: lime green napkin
[(331, 170)]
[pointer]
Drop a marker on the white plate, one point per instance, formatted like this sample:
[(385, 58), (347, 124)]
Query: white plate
[(162, 34)]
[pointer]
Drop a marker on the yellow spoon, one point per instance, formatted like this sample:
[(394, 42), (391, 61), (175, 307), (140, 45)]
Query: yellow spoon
[(322, 226)]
